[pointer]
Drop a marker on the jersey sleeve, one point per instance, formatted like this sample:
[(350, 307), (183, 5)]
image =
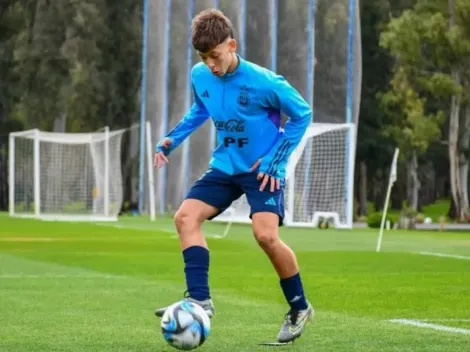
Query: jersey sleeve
[(282, 96), (194, 118)]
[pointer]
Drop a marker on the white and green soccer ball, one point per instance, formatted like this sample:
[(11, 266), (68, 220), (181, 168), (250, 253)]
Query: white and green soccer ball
[(185, 325)]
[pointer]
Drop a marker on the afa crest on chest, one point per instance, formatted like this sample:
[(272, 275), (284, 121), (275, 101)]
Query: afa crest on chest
[(244, 98)]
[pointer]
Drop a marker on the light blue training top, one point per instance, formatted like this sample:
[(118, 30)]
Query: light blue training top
[(245, 106)]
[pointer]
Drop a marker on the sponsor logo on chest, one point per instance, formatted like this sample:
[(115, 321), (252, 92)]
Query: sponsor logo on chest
[(231, 125)]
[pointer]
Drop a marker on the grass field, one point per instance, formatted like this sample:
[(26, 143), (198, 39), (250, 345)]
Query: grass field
[(94, 287)]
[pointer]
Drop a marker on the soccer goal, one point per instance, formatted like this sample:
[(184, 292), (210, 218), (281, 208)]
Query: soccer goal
[(66, 176), (320, 180)]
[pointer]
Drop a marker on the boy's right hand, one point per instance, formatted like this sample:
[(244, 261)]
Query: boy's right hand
[(160, 159)]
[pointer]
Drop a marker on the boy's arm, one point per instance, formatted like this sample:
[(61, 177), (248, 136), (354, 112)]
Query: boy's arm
[(281, 95), (194, 118)]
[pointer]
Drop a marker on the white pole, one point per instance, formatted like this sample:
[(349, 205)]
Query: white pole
[(106, 171), (291, 200), (11, 174), (384, 214), (37, 174), (96, 185), (351, 165), (392, 179), (150, 171)]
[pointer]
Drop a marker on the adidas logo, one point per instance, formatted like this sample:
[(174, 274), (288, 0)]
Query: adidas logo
[(271, 201), (295, 299), (205, 94)]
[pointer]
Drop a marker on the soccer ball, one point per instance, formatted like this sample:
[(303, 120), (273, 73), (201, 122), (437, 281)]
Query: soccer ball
[(185, 325)]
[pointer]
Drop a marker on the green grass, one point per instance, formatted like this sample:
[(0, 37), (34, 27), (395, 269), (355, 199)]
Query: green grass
[(90, 287)]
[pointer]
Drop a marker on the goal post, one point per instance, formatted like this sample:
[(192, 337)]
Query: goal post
[(150, 174), (65, 176), (319, 180), (68, 176)]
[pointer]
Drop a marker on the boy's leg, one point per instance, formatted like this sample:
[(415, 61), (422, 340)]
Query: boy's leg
[(267, 212), (188, 220), (209, 196), (266, 232)]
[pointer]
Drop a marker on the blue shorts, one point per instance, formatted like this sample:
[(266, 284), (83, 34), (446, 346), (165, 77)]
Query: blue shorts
[(219, 189)]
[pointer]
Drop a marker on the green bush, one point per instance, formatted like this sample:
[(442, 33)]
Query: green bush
[(420, 218), (374, 220), (362, 218)]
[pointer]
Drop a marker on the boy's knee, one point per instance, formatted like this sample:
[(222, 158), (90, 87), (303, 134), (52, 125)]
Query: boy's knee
[(265, 230), (186, 222), (267, 241)]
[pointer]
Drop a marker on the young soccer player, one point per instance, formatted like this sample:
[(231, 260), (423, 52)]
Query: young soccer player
[(245, 102)]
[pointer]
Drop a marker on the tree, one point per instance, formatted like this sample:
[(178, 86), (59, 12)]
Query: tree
[(459, 133), (432, 49), (373, 157), (73, 62), (413, 129)]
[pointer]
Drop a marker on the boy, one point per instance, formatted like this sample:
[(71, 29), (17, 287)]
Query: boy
[(245, 103)]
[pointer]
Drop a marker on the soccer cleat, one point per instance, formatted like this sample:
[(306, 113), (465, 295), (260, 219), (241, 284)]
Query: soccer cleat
[(294, 324), (207, 305)]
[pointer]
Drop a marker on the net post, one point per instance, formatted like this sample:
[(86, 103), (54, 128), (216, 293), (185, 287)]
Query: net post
[(94, 192), (213, 133), (311, 53), (151, 181), (106, 171), (37, 174), (165, 95), (350, 145), (11, 174), (143, 102), (185, 169), (291, 201), (350, 175), (243, 28), (310, 77), (274, 19)]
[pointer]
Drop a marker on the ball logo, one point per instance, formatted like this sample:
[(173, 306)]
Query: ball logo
[(185, 325)]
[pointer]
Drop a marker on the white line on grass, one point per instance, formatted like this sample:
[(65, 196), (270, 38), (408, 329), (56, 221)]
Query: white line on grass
[(454, 256), (167, 230), (421, 324), (449, 320), (26, 276), (208, 236), (137, 228)]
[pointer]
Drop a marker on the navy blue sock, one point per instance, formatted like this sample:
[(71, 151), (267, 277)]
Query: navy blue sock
[(294, 292), (196, 269)]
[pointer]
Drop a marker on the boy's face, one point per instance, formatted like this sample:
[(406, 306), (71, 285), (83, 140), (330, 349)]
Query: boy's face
[(220, 59)]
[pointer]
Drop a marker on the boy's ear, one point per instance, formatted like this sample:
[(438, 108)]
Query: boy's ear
[(232, 45)]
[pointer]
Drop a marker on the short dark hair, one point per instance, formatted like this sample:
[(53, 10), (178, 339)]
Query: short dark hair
[(209, 29)]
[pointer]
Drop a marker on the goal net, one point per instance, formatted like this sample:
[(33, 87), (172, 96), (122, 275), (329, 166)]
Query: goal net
[(320, 178), (66, 176)]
